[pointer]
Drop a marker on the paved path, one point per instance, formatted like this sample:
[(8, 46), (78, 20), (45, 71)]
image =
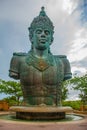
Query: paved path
[(71, 125)]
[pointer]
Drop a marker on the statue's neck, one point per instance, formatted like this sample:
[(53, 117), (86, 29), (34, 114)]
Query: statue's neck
[(40, 53)]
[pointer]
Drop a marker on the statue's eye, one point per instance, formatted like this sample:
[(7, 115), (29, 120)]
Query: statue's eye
[(38, 31), (47, 32)]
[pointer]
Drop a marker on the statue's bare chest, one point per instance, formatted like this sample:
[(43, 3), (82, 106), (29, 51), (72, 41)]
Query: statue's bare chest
[(32, 76), (38, 71)]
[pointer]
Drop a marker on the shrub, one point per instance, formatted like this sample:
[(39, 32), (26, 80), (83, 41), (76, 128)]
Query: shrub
[(74, 104)]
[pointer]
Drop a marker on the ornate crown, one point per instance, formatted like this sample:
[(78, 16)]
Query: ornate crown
[(41, 20)]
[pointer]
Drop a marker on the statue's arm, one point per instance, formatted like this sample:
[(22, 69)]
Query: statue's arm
[(67, 69), (14, 67)]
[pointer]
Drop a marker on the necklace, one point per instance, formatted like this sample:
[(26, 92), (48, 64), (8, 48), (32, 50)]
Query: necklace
[(39, 63)]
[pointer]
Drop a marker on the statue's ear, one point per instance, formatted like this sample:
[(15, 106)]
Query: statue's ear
[(31, 39), (51, 40)]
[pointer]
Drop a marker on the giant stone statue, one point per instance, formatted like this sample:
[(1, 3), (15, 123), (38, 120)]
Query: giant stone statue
[(40, 72)]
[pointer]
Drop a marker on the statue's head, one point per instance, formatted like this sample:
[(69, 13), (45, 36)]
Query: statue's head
[(41, 22)]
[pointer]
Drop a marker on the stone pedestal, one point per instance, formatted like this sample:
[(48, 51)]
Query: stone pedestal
[(40, 113)]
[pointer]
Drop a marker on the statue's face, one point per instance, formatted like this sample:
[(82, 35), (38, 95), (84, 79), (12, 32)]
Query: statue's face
[(41, 38)]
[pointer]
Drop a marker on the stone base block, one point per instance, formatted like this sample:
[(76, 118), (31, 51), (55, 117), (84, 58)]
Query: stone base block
[(40, 113)]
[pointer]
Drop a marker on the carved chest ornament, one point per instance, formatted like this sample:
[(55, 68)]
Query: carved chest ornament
[(39, 63)]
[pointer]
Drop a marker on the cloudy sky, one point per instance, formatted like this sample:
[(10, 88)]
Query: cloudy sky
[(70, 37)]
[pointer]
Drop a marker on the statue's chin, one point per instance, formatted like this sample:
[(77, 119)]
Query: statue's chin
[(42, 47)]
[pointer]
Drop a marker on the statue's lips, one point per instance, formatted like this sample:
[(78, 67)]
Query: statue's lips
[(42, 40)]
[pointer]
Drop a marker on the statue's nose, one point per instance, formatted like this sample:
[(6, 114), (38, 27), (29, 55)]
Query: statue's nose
[(43, 34)]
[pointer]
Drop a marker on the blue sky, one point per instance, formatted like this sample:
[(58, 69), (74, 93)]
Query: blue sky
[(70, 37)]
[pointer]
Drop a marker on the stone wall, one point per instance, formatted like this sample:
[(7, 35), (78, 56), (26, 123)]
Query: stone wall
[(4, 106)]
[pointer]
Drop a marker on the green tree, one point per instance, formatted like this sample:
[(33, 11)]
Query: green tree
[(64, 90), (12, 89), (80, 83)]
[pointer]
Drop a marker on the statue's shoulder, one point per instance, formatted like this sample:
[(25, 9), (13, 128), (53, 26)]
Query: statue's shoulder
[(60, 57), (66, 65), (19, 54)]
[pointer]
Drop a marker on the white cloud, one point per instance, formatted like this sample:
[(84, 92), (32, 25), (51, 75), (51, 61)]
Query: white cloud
[(78, 49), (69, 5), (77, 54), (81, 70)]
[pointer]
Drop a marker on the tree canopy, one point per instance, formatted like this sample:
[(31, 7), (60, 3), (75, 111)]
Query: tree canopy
[(11, 88), (80, 83)]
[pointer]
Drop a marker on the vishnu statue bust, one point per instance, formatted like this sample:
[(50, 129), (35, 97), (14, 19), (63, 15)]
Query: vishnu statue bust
[(40, 72)]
